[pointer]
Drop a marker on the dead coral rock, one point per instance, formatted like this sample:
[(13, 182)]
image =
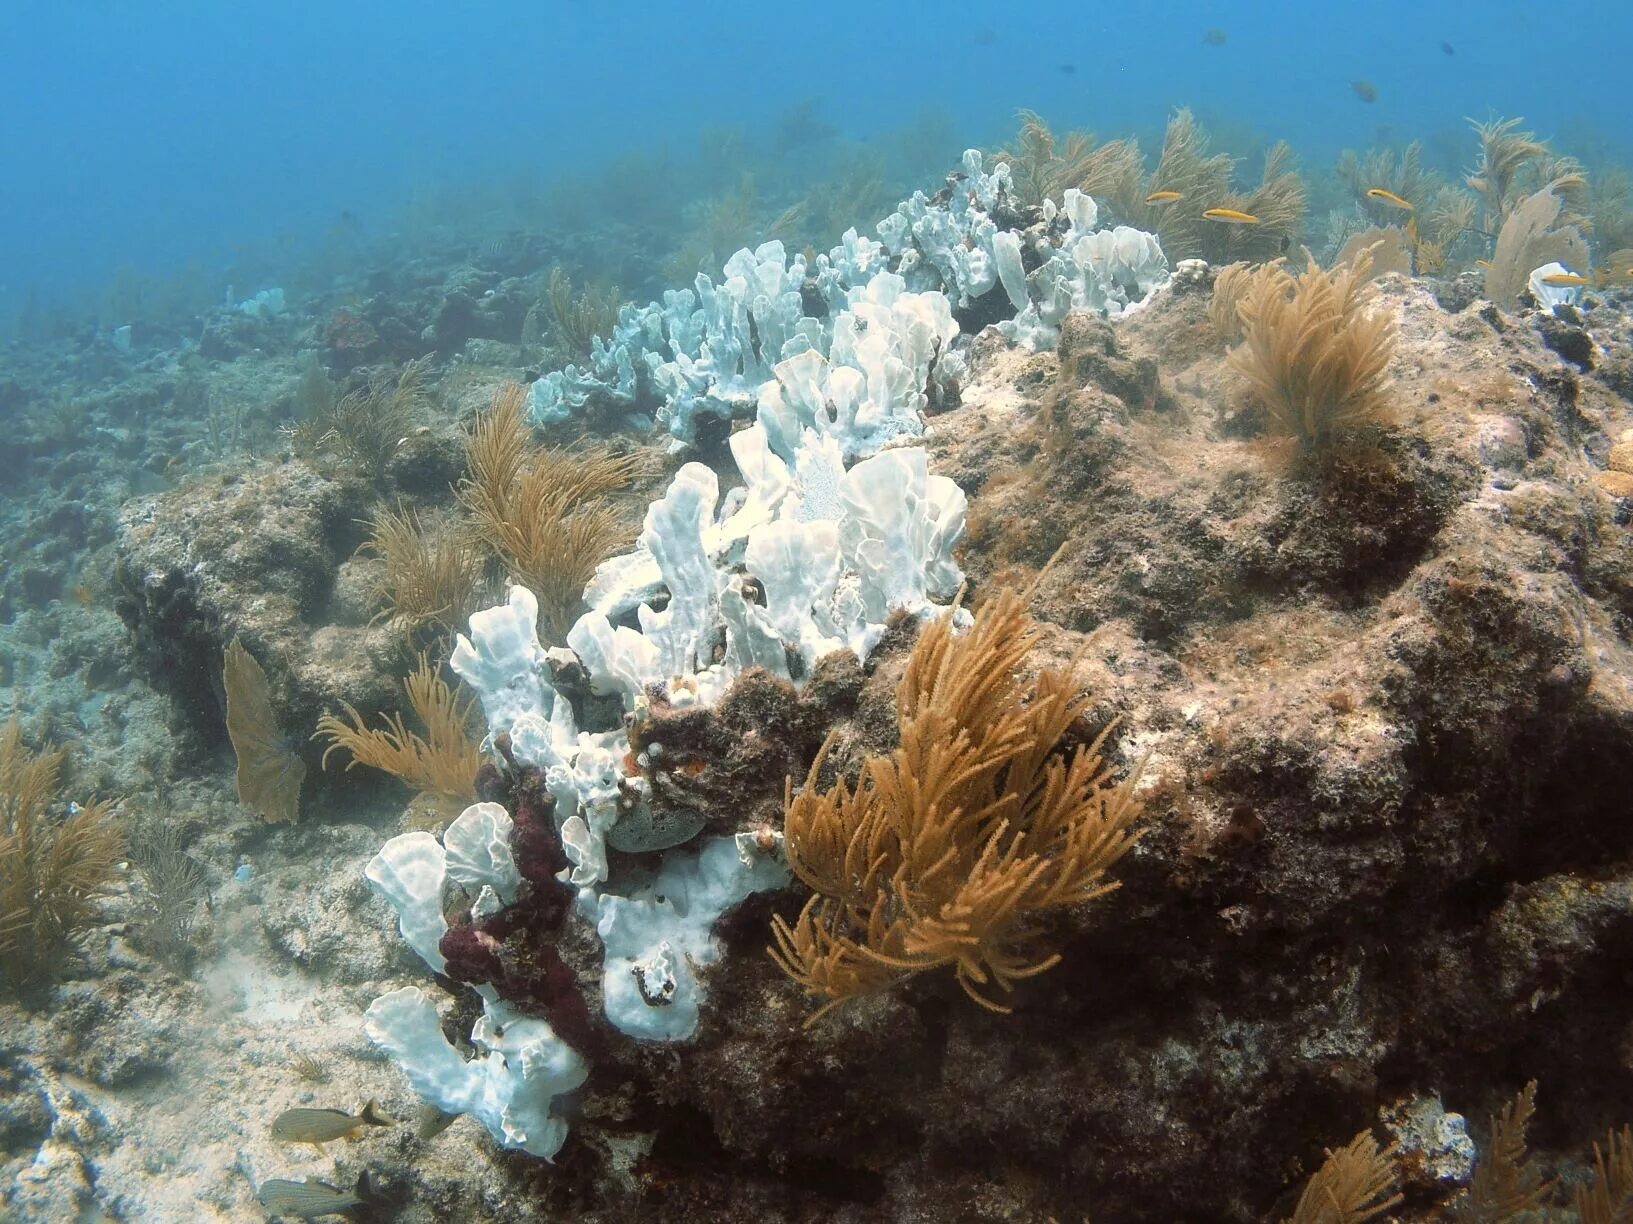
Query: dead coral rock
[(428, 463), (727, 762), (1562, 331), (1385, 709), (253, 554), (350, 339), (1357, 516), (1090, 350)]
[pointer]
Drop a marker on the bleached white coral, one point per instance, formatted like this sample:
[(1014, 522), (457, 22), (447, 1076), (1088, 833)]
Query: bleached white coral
[(558, 394), (949, 247), (658, 937), (476, 845), (1105, 271), (833, 565), (506, 667), (1548, 296), (870, 387), (410, 870), (720, 349), (898, 531), (503, 662), (510, 1087), (802, 558)]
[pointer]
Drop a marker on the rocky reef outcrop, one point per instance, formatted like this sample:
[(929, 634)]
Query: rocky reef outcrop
[(262, 554), (1382, 695)]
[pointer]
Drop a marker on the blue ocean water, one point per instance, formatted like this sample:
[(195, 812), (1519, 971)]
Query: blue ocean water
[(148, 137)]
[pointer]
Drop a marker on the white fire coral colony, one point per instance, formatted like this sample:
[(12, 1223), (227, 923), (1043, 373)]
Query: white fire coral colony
[(707, 351)]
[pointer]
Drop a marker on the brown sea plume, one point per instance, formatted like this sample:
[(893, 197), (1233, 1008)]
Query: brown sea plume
[(430, 572), (542, 510), (362, 429), (945, 851), (580, 317), (1356, 1183), (441, 762), (1042, 167), (54, 867), (1229, 284), (1316, 349)]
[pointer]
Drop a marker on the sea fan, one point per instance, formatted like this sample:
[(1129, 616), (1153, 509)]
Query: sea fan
[(1532, 235), (269, 774)]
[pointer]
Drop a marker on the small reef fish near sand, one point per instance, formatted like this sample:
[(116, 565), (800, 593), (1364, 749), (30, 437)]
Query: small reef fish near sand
[(1163, 197), (1231, 216), (307, 1200), (319, 1126), (1566, 278), (431, 1122), (1389, 197)]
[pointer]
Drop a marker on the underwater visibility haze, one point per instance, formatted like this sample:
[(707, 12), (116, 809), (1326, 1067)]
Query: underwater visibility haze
[(889, 612)]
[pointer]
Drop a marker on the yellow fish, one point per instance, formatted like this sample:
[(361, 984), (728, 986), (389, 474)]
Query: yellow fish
[(1163, 197), (1232, 215), (1482, 263), (1388, 197), (1565, 278), (319, 1126)]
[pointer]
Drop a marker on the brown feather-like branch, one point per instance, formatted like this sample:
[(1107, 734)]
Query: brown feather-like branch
[(1316, 348), (54, 869), (1505, 1181), (431, 574), (1355, 1184), (1608, 1199), (542, 511), (443, 761), (943, 852)]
